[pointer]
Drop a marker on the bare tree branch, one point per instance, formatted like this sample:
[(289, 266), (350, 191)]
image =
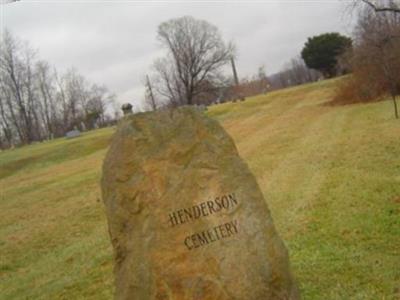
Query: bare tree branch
[(392, 7)]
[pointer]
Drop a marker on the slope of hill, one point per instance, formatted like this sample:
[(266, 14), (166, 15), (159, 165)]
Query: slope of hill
[(331, 177)]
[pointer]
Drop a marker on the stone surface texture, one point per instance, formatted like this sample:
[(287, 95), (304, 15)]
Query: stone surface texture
[(159, 171)]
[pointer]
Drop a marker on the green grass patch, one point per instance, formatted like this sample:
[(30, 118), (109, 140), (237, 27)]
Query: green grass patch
[(330, 175)]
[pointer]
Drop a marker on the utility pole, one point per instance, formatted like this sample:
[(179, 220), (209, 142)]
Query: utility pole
[(153, 102), (236, 79)]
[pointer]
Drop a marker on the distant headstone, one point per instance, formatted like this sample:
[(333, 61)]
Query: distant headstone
[(72, 134), (186, 217), (202, 107), (126, 108)]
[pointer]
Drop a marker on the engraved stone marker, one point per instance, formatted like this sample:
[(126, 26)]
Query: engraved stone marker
[(186, 217)]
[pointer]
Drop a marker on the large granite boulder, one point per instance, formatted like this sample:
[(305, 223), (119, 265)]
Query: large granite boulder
[(186, 217)]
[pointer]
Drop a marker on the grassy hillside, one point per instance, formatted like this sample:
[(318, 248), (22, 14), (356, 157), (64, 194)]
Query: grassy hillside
[(331, 177)]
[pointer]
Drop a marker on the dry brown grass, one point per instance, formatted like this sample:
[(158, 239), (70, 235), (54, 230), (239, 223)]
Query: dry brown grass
[(329, 174)]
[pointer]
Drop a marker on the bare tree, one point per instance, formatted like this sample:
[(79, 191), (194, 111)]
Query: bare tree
[(375, 61), (262, 78), (99, 99), (36, 103), (383, 5), (62, 101), (195, 55), (77, 96), (379, 44), (47, 105), (15, 66), (167, 82), (295, 72), (7, 137)]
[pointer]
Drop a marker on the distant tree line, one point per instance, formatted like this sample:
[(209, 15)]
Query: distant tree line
[(250, 86), (37, 103), (295, 72), (321, 57)]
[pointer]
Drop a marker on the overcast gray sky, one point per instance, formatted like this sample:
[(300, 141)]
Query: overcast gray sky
[(114, 42)]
